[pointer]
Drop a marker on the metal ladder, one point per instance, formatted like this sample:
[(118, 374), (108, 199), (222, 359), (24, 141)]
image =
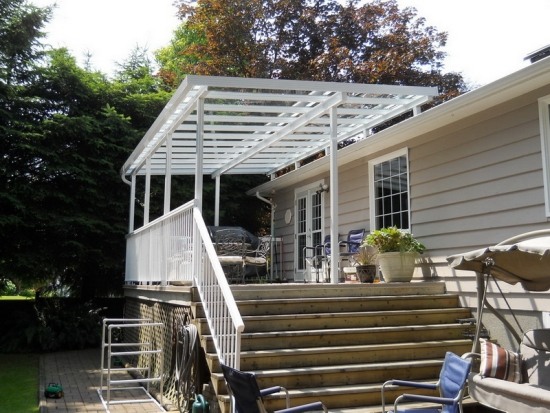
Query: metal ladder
[(130, 387)]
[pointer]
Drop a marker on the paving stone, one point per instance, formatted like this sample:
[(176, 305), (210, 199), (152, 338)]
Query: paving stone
[(79, 374)]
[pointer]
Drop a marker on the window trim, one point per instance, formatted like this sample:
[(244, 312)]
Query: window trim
[(544, 122), (372, 199)]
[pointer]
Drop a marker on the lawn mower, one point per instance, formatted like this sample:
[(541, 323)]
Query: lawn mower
[(54, 391)]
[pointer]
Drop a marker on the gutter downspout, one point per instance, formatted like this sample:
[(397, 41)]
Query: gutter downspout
[(273, 207)]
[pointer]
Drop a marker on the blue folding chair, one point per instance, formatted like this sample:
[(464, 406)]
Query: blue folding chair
[(352, 245), (451, 383), (247, 396)]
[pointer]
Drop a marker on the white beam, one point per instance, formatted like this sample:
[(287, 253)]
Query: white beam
[(331, 102)]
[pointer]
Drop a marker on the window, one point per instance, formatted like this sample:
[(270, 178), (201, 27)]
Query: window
[(544, 119), (389, 191)]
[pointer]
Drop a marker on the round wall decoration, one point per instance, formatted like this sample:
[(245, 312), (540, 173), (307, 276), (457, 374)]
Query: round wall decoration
[(288, 216)]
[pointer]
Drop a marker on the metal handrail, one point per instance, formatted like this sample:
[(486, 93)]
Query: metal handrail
[(223, 316), (177, 247)]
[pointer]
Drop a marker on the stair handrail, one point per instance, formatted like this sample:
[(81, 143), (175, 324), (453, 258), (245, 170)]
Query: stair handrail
[(221, 311)]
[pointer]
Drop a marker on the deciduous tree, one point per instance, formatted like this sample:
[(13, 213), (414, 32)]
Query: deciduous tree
[(374, 42)]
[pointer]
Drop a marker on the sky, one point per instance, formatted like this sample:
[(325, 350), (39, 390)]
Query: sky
[(488, 39)]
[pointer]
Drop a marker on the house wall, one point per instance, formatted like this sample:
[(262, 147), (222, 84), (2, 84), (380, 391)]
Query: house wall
[(473, 184)]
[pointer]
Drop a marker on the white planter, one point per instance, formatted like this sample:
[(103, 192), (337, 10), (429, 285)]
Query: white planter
[(397, 266)]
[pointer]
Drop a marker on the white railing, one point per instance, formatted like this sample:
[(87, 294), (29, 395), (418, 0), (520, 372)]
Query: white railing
[(162, 251), (224, 320), (177, 248)]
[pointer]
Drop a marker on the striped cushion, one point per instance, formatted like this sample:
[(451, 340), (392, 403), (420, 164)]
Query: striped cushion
[(499, 363)]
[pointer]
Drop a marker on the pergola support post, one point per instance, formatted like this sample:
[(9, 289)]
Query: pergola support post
[(334, 251), (147, 200), (132, 205), (199, 154), (217, 201), (168, 175)]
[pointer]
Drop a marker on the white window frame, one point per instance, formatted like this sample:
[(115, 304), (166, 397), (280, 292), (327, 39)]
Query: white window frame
[(372, 193), (544, 122)]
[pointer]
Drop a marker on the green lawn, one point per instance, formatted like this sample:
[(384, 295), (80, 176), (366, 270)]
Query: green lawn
[(19, 383), (15, 297)]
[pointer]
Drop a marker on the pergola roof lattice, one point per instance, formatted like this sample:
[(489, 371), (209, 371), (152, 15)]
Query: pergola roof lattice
[(259, 126)]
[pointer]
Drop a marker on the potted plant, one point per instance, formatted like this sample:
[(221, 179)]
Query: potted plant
[(397, 252), (365, 264)]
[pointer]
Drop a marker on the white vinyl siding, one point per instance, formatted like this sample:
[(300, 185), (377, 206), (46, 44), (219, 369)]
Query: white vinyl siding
[(479, 184)]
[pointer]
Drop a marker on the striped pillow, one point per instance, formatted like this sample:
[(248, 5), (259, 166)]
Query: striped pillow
[(499, 363)]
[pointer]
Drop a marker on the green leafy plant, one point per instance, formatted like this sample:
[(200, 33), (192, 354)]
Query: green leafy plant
[(393, 239)]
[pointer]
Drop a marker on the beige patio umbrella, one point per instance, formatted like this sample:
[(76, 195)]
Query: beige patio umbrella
[(526, 262), (523, 259)]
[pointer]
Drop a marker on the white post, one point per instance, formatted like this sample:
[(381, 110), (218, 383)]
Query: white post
[(200, 151), (147, 200), (217, 202), (132, 204), (168, 175), (333, 191), (198, 186)]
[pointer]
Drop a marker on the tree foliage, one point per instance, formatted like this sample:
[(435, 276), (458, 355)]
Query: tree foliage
[(66, 130), (65, 133), (374, 42)]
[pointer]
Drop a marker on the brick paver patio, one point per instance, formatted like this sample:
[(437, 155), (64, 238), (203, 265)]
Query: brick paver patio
[(79, 374)]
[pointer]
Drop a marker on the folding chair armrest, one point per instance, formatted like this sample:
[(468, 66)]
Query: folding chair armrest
[(416, 384), (276, 389), (344, 243), (429, 399), (311, 407), (271, 390)]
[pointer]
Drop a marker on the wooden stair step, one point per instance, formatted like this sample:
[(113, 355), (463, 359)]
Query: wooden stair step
[(324, 376), (335, 396), (339, 343), (293, 322), (338, 355), (343, 336), (305, 290), (337, 304)]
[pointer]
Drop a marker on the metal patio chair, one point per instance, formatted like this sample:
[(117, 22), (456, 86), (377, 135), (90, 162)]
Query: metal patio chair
[(319, 260), (452, 381), (231, 248), (258, 258), (247, 396)]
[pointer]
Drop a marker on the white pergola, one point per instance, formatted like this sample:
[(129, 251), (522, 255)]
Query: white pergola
[(223, 125)]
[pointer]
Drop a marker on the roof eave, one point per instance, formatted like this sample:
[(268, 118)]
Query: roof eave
[(520, 82)]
